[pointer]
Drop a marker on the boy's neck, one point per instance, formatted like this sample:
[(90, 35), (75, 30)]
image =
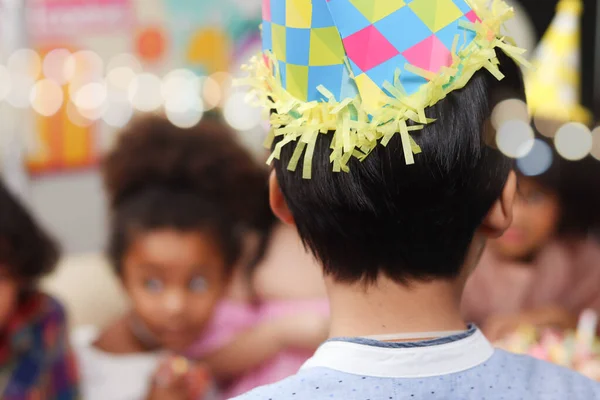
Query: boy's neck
[(387, 308)]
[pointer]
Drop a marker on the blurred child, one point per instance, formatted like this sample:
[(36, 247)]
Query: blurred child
[(268, 334), (36, 361), (538, 272), (180, 203)]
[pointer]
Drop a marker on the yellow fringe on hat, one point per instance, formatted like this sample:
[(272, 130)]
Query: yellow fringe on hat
[(355, 133)]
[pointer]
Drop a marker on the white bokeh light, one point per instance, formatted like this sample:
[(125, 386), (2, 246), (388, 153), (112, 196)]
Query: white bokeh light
[(510, 109), (124, 60), (75, 116), (185, 119), (46, 97), (239, 114), (5, 82), (120, 78), (84, 65), (20, 88), (181, 90), (211, 93), (54, 65), (91, 96), (145, 92), (537, 161), (118, 113), (26, 62), (573, 141), (595, 152), (515, 138)]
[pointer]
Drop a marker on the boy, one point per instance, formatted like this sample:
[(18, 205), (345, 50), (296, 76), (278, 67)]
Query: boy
[(398, 241)]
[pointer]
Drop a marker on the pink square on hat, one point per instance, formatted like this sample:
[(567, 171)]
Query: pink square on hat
[(266, 10), (431, 54), (368, 48), (472, 16)]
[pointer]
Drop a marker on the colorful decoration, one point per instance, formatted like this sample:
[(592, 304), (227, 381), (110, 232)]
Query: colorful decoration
[(211, 49), (151, 44), (579, 350), (364, 68), (553, 85), (61, 143)]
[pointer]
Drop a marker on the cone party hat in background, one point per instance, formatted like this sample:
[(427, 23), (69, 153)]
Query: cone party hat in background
[(553, 84), (361, 70)]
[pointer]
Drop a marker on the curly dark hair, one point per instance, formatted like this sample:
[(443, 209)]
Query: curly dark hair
[(26, 250), (162, 176)]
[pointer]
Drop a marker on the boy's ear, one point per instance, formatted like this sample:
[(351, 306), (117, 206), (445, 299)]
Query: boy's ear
[(500, 215), (278, 203)]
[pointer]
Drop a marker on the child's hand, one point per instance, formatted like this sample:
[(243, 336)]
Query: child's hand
[(179, 379), (166, 385), (304, 331)]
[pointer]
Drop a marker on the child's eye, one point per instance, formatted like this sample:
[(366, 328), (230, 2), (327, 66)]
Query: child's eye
[(198, 284), (153, 285)]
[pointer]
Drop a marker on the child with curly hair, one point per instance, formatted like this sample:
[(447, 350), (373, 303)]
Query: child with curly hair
[(36, 360)]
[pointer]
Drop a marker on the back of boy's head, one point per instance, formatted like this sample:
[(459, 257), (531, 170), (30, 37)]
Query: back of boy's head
[(406, 221), (200, 179), (26, 250)]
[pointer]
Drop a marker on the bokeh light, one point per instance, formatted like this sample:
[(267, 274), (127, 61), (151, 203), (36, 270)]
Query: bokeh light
[(119, 79), (55, 65), (211, 92), (537, 161), (595, 152), (145, 92), (510, 109), (573, 141), (546, 126), (26, 62), (46, 97), (90, 96), (84, 65), (117, 113), (20, 88), (239, 114), (125, 60), (515, 138), (5, 83), (185, 119), (76, 117)]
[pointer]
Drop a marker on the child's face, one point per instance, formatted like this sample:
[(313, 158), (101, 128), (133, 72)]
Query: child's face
[(535, 220), (174, 280), (9, 290)]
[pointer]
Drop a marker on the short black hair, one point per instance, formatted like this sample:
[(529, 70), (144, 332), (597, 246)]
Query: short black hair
[(26, 250), (202, 179), (406, 221)]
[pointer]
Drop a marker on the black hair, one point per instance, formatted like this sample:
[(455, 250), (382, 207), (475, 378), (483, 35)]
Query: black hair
[(406, 221), (160, 176), (26, 250)]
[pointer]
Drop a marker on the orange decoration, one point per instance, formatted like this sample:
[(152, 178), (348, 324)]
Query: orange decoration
[(210, 48), (151, 44)]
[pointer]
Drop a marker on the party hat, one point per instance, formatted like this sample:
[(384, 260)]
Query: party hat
[(553, 84), (367, 70)]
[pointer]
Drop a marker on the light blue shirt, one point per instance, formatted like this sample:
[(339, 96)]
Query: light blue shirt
[(459, 367)]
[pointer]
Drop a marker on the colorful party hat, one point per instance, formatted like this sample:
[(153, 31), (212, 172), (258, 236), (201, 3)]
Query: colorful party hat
[(553, 84), (367, 70)]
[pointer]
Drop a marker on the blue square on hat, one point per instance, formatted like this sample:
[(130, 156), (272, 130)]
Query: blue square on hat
[(355, 69), (278, 12), (346, 17), (447, 34), (321, 18), (462, 5), (267, 36), (297, 46), (386, 71), (403, 29), (283, 73), (329, 76)]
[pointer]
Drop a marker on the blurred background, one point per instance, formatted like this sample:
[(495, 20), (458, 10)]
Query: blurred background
[(73, 72)]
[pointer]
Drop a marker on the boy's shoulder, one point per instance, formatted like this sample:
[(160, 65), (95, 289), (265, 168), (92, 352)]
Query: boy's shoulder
[(504, 376)]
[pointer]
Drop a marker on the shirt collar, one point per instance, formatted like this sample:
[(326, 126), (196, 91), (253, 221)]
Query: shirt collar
[(411, 360)]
